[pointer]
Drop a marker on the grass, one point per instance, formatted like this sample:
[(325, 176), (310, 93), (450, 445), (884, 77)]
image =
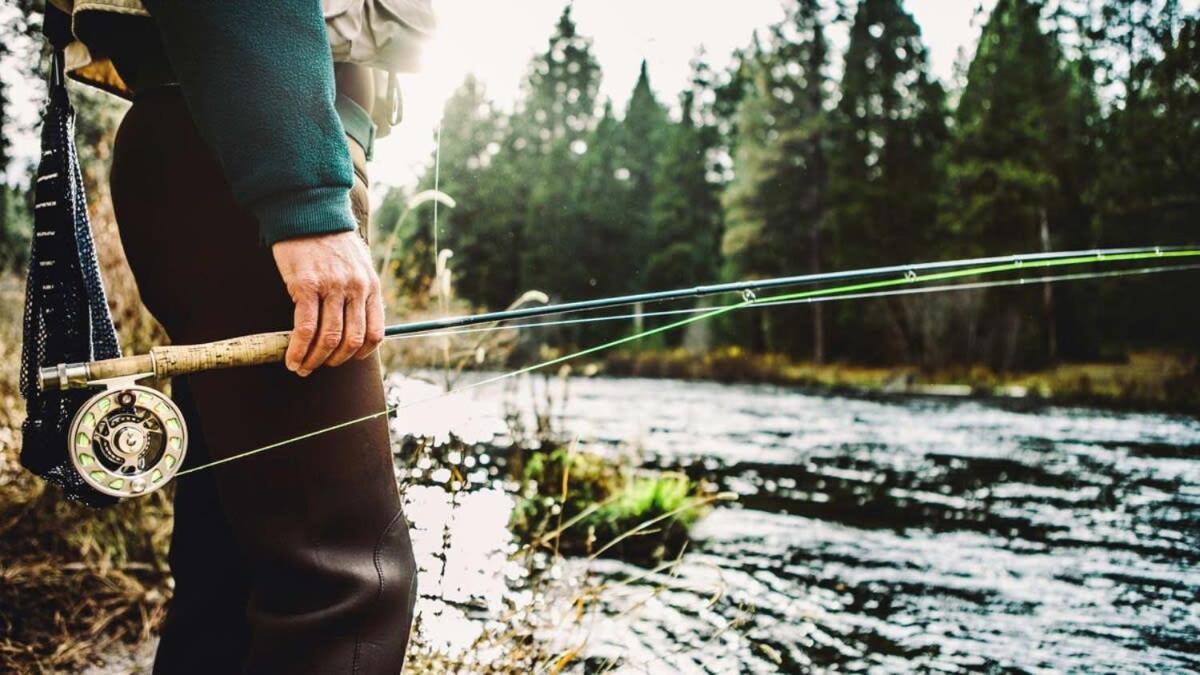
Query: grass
[(592, 505), (1158, 380), (1145, 379), (74, 581)]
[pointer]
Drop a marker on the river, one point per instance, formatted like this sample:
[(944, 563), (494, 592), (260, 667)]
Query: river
[(868, 534)]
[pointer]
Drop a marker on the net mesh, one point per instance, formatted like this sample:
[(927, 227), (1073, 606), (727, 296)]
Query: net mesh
[(66, 311)]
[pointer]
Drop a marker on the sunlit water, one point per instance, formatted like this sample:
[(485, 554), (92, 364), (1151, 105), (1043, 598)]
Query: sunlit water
[(883, 535)]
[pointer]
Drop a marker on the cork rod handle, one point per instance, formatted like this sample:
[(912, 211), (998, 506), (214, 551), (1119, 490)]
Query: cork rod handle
[(248, 350), (167, 361)]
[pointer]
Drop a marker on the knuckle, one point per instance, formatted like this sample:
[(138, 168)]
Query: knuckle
[(374, 336), (331, 340), (353, 343), (303, 284), (306, 329)]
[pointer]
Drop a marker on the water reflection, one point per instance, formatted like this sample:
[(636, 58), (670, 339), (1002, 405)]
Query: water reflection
[(461, 542), (870, 534)]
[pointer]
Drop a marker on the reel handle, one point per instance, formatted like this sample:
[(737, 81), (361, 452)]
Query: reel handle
[(166, 361)]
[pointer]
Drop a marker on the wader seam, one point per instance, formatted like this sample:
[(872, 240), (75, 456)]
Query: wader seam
[(379, 572)]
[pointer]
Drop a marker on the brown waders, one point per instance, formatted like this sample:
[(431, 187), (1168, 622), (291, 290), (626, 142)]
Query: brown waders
[(296, 560)]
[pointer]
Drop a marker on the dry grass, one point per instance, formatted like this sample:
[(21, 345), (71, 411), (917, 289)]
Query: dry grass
[(1150, 379), (734, 364), (1144, 380), (73, 581)]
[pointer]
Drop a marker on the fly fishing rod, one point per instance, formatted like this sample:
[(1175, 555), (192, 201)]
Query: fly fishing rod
[(757, 285), (168, 361), (129, 439)]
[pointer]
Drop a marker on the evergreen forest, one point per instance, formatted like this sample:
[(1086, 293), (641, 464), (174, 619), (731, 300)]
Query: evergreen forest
[(1075, 124)]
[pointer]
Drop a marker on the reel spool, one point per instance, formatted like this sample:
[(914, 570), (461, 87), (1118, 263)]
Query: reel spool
[(127, 440)]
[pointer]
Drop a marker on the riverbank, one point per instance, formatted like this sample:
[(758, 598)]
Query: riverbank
[(85, 590), (1148, 380), (854, 517)]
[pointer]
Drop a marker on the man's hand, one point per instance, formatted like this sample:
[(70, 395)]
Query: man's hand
[(339, 310)]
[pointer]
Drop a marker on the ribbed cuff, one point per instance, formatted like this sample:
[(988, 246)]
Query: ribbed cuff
[(317, 211)]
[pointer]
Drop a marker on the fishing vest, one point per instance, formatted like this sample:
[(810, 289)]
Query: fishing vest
[(384, 35)]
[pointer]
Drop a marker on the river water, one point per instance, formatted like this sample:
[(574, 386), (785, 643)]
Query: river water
[(869, 534)]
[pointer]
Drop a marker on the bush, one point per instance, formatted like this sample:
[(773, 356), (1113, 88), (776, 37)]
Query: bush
[(586, 504)]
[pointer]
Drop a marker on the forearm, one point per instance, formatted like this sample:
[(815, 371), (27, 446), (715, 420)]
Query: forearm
[(258, 79)]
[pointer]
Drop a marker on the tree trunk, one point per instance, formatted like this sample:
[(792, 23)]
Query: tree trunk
[(818, 310), (1048, 296)]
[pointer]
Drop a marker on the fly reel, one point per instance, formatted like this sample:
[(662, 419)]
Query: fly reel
[(127, 440)]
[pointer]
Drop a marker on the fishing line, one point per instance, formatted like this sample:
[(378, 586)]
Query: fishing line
[(910, 276), (437, 178), (856, 296)]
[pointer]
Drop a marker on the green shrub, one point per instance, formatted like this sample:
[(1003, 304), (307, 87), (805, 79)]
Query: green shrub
[(582, 503)]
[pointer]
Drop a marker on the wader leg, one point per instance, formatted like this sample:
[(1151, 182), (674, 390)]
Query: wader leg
[(330, 577)]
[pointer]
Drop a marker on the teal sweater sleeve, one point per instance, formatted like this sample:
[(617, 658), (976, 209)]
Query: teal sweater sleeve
[(257, 76)]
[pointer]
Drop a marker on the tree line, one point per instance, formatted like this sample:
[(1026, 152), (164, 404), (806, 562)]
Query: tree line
[(1075, 126)]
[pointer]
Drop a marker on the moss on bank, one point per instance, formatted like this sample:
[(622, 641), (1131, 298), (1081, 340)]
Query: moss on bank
[(579, 503)]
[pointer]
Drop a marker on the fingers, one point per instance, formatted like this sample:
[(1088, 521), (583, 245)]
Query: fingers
[(338, 307), (307, 312), (355, 325), (374, 334), (329, 333)]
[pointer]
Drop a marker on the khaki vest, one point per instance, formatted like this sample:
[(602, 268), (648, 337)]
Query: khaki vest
[(386, 35)]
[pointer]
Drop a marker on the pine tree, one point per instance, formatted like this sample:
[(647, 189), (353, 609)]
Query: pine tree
[(4, 140), (718, 111), (480, 239), (549, 136), (1148, 141), (11, 244), (1131, 36), (642, 136), (686, 211), (8, 242), (1148, 190), (888, 131), (1010, 166), (776, 205), (603, 204)]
